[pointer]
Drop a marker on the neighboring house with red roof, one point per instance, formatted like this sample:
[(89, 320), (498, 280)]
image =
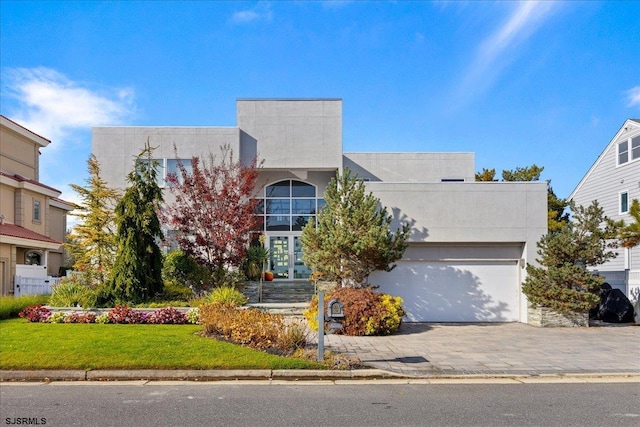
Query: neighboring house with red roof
[(33, 220)]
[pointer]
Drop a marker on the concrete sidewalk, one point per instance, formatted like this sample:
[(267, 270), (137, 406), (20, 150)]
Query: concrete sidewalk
[(432, 349)]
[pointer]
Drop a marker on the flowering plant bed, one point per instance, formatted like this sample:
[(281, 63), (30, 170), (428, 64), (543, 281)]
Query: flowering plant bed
[(118, 314)]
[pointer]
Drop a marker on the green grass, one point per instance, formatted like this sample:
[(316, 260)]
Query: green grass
[(25, 345), (10, 306)]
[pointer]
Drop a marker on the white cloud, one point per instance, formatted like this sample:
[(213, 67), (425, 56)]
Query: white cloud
[(53, 106), (260, 12), (633, 96), (63, 111), (496, 50)]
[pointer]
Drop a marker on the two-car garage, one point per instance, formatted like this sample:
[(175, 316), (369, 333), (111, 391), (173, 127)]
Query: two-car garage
[(456, 283)]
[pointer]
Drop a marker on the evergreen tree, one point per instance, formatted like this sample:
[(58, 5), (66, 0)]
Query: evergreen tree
[(92, 241), (557, 218), (486, 175), (352, 238), (563, 282), (630, 233), (527, 173), (137, 271)]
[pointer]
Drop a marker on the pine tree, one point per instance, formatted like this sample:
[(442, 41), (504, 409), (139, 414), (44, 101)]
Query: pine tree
[(137, 271), (486, 175), (92, 241), (630, 233), (353, 236), (563, 282)]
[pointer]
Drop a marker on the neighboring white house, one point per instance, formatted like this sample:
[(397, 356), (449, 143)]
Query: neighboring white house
[(614, 181), (470, 240)]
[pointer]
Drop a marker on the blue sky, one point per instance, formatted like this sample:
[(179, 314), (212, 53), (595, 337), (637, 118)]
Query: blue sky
[(517, 83)]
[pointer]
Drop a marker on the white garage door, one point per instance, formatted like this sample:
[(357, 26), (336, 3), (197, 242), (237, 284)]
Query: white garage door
[(457, 291)]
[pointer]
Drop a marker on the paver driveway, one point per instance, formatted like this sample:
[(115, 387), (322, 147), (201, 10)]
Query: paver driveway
[(424, 349)]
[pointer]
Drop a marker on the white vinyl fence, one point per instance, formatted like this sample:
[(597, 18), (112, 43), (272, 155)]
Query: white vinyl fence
[(34, 285)]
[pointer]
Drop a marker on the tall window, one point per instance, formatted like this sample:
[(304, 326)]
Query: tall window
[(288, 206), (624, 202), (37, 214)]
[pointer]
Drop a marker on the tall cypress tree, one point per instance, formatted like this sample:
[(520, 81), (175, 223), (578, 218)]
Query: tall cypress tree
[(137, 271), (353, 237)]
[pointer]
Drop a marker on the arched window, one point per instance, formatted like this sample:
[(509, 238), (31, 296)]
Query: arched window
[(288, 206), (33, 258)]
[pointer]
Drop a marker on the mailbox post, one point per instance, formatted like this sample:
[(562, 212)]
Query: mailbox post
[(320, 326), (334, 316)]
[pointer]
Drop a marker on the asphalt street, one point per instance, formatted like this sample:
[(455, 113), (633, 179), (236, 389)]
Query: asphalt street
[(365, 403)]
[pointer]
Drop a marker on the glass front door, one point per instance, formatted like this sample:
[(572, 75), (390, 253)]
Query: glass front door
[(286, 258)]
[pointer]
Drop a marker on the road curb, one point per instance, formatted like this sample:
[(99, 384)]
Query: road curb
[(287, 375)]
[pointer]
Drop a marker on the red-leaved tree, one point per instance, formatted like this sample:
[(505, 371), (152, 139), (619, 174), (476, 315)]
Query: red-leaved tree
[(213, 209)]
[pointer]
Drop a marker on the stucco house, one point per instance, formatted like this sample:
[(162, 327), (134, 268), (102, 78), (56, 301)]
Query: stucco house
[(33, 220), (614, 181), (470, 240)]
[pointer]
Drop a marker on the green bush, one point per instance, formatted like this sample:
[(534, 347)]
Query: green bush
[(228, 279), (71, 293), (227, 294), (366, 312), (250, 327), (10, 306), (174, 292), (180, 271)]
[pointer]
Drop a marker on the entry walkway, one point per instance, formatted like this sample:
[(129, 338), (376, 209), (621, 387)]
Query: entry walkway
[(424, 349)]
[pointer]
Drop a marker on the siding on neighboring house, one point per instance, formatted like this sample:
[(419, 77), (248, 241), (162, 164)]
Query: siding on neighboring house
[(604, 182)]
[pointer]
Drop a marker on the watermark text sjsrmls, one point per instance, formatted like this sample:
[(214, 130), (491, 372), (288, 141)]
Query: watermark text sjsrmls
[(26, 421)]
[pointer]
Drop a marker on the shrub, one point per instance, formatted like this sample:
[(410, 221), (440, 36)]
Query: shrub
[(163, 304), (227, 294), (167, 315), (124, 314), (176, 292), (71, 293), (228, 279), (294, 337), (366, 312), (193, 315), (182, 271), (250, 327), (11, 306), (36, 313)]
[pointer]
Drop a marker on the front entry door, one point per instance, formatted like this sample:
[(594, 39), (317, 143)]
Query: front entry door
[(286, 258)]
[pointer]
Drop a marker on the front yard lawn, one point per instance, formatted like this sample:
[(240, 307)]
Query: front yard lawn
[(25, 345)]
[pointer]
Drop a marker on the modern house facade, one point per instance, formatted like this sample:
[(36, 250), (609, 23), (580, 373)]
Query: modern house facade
[(614, 181), (33, 220), (470, 240)]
